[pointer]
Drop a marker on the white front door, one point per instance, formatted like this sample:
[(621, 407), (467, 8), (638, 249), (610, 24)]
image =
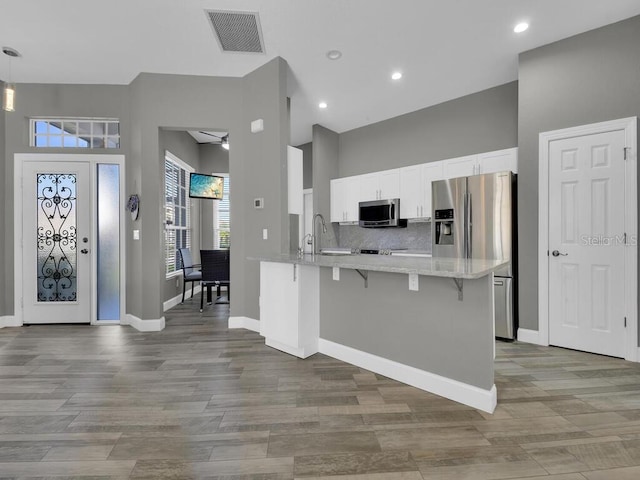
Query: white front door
[(587, 243), (56, 263)]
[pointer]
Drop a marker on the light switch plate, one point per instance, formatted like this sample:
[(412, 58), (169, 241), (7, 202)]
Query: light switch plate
[(136, 234), (413, 282), (336, 273), (265, 234)]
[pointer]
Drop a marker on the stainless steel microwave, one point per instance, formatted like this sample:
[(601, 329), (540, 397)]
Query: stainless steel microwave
[(380, 214)]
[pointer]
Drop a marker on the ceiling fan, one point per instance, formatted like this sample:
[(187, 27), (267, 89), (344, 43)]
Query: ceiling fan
[(224, 139)]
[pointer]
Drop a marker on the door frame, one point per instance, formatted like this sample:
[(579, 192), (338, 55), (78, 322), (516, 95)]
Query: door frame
[(629, 125), (93, 159)]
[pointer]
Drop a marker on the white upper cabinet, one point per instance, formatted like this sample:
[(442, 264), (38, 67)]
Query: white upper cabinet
[(380, 185), (389, 184), (430, 172), (499, 161), (415, 188), (461, 166), (412, 185), (369, 187), (489, 162), (344, 199), (412, 191)]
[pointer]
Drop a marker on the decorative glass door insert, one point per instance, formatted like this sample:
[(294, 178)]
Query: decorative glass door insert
[(57, 240)]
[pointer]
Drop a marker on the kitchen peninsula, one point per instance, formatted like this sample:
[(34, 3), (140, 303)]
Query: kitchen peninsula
[(423, 321)]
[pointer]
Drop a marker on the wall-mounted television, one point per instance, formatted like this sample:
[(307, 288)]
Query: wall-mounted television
[(205, 186)]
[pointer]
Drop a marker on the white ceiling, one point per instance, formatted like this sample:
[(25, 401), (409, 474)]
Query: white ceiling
[(445, 48)]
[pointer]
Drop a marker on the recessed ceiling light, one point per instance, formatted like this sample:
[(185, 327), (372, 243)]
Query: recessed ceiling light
[(396, 76), (521, 27), (323, 105), (334, 54)]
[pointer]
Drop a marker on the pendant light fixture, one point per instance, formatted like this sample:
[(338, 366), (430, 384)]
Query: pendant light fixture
[(225, 142), (9, 91)]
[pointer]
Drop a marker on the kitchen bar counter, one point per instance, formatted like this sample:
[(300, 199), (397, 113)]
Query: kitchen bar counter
[(425, 322), (431, 267)]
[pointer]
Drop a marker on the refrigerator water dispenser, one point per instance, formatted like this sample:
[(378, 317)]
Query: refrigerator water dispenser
[(445, 227)]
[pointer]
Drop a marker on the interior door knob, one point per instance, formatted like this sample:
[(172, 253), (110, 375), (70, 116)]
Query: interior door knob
[(556, 253)]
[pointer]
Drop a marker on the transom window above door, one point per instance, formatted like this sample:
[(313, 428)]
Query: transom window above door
[(75, 132)]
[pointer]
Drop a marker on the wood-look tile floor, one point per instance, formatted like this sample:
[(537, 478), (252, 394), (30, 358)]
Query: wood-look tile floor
[(200, 401)]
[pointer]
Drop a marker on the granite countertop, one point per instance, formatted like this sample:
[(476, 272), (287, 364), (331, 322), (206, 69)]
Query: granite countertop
[(433, 267)]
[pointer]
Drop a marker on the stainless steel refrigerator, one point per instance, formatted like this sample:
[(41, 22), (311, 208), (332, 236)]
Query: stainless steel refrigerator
[(474, 217)]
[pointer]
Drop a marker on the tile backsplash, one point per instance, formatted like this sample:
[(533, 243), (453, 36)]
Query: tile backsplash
[(416, 236)]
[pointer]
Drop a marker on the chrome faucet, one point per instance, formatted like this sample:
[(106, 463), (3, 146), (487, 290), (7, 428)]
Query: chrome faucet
[(313, 232)]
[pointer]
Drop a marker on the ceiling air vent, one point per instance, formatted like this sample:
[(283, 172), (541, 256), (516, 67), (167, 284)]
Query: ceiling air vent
[(237, 31)]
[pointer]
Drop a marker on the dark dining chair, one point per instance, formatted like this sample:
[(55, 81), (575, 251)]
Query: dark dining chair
[(189, 270), (215, 273)]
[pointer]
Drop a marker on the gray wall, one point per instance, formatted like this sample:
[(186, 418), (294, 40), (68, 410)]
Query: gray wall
[(183, 146), (592, 77), (172, 102), (256, 164), (307, 165), (481, 122), (34, 100), (427, 329), (259, 172), (325, 168)]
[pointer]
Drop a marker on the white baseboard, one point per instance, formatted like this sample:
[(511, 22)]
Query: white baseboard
[(303, 352), (529, 336), (245, 322), (473, 396), (151, 325), (177, 300), (9, 321)]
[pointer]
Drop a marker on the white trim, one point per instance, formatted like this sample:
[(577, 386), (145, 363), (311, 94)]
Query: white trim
[(303, 352), (245, 322), (629, 125), (471, 395), (151, 325), (10, 321), (529, 336), (80, 156), (177, 300)]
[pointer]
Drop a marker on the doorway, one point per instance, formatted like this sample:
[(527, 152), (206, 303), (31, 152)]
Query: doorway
[(587, 238), (69, 238)]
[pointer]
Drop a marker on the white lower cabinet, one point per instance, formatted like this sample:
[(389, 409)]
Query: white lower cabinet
[(289, 307)]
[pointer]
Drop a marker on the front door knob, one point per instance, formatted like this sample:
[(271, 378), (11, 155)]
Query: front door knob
[(556, 253)]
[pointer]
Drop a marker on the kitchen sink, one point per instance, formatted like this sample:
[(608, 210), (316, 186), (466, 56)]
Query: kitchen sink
[(335, 251)]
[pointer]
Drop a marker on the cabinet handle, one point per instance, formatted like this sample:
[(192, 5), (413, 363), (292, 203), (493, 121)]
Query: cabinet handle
[(421, 212), (417, 212)]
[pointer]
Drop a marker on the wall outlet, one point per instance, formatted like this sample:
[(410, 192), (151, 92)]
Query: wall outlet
[(336, 273), (265, 234), (257, 125), (413, 282)]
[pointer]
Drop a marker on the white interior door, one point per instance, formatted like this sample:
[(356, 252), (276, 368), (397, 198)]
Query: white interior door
[(56, 200), (587, 243)]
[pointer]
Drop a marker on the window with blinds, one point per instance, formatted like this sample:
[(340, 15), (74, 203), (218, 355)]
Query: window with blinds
[(177, 211), (221, 216)]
